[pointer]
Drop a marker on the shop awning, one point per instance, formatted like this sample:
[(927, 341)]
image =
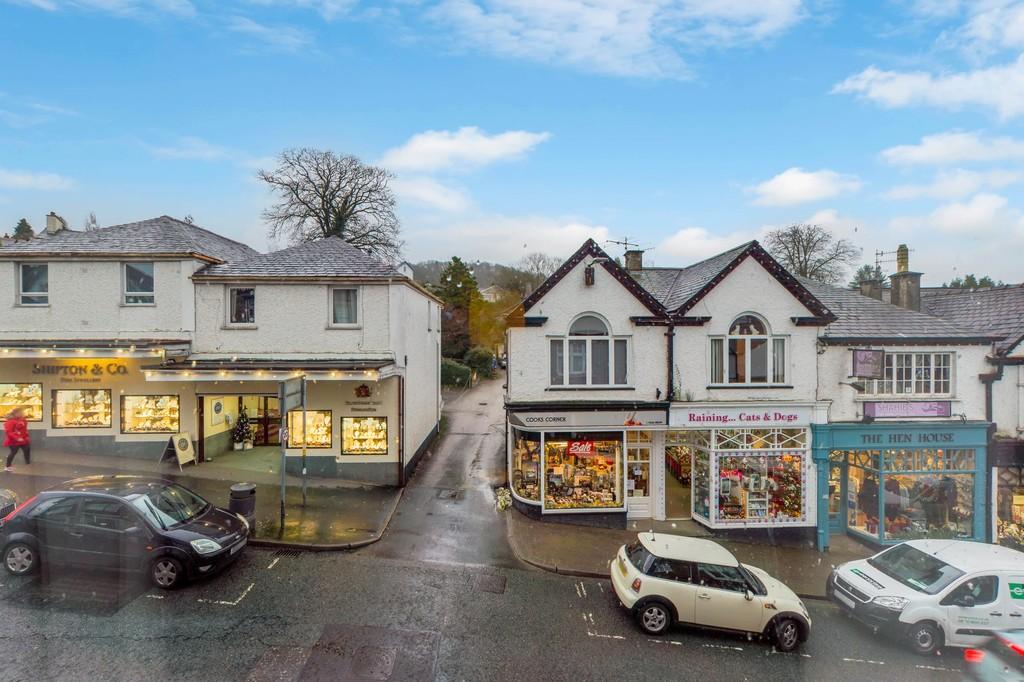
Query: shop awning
[(259, 369), (96, 348)]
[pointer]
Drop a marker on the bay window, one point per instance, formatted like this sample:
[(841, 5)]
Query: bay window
[(588, 356), (915, 374), (749, 354)]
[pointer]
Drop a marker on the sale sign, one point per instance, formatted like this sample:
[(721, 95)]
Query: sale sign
[(581, 448)]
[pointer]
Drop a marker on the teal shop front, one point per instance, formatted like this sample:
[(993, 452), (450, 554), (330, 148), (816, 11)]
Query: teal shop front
[(886, 483)]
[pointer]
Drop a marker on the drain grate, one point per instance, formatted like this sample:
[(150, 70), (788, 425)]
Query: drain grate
[(490, 583), (288, 552)]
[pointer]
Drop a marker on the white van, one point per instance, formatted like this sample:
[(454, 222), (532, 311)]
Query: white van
[(934, 592)]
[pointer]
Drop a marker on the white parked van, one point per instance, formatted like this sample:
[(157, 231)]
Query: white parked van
[(934, 592)]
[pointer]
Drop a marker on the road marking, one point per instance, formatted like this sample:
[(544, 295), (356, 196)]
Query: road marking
[(719, 646), (155, 596), (937, 668), (584, 588), (773, 652), (229, 603), (600, 587), (862, 660), (273, 563)]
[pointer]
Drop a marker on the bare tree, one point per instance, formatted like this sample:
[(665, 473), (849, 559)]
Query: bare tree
[(539, 264), (812, 251), (322, 194), (90, 223)]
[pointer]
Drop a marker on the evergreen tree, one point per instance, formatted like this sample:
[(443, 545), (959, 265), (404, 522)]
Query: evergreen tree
[(866, 273), (458, 289), (23, 230)]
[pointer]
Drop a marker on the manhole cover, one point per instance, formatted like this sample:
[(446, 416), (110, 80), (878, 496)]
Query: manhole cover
[(490, 583), (374, 662)]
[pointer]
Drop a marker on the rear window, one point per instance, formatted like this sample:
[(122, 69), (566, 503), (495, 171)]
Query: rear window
[(638, 555), (915, 569)]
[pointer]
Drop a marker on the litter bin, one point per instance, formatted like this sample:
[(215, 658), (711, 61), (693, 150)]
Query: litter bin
[(243, 501)]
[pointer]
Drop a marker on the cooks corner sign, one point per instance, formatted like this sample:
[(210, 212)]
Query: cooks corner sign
[(739, 417)]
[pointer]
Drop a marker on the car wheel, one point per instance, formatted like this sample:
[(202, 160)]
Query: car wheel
[(166, 573), (925, 638), (787, 634), (654, 618), (20, 559)]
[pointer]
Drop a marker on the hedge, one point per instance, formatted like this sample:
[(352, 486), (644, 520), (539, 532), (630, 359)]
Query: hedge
[(455, 373), (481, 361)]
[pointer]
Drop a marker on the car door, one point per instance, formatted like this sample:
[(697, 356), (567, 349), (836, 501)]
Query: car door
[(109, 534), (1011, 597), (973, 610), (675, 581), (722, 600), (53, 519)]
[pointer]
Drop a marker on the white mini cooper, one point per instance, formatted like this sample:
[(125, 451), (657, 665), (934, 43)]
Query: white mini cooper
[(665, 579)]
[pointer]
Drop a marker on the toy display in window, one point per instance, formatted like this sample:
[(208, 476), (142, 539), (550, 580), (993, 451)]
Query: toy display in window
[(364, 435), (87, 408), (29, 397), (318, 429), (150, 414)]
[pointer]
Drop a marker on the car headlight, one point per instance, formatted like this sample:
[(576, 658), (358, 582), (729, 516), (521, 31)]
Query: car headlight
[(894, 603), (245, 521), (205, 546)]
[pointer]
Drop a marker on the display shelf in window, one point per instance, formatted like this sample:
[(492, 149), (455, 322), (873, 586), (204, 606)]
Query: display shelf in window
[(82, 408), (364, 436), (28, 397), (318, 433), (150, 414)]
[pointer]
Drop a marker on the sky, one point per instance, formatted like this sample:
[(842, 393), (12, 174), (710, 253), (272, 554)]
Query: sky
[(513, 126)]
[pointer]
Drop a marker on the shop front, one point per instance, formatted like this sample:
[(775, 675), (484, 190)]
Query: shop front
[(593, 461), (886, 483), (1008, 493)]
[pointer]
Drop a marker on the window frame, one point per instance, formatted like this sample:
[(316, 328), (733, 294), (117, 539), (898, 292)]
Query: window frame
[(230, 308), (718, 356), (21, 286), (895, 372), (125, 293), (565, 342), (334, 324)]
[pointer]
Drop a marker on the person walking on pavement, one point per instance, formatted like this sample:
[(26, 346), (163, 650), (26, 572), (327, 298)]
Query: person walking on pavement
[(16, 436)]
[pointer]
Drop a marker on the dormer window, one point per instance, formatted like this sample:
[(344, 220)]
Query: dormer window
[(749, 355), (589, 355)]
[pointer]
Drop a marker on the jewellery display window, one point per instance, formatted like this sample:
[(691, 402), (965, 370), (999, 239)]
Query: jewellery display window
[(28, 397), (364, 436), (150, 414), (317, 433), (82, 409)]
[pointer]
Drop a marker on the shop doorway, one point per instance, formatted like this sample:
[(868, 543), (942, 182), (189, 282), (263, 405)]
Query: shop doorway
[(264, 414), (836, 497), (638, 465), (678, 475)]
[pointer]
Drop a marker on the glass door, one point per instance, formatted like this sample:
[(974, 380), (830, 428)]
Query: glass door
[(678, 475), (638, 466), (836, 498)]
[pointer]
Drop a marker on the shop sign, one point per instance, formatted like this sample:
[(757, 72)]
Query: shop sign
[(82, 373), (581, 448), (927, 408), (577, 419), (868, 364), (739, 417)]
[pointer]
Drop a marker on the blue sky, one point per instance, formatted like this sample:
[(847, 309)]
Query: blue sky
[(529, 125)]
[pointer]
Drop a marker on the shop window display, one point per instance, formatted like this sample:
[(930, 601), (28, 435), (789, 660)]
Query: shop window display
[(1010, 506), (929, 505), (150, 414), (702, 483), (760, 488), (364, 436), (583, 471), (526, 464), (28, 397), (86, 408), (317, 433)]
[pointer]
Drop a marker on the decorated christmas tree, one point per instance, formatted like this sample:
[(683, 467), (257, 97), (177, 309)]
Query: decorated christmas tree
[(242, 433)]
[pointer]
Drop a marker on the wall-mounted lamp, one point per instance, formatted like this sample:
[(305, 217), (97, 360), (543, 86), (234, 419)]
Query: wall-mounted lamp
[(855, 385), (588, 271)]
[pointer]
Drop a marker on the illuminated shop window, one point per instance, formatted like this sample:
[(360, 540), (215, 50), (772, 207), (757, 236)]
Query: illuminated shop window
[(150, 414), (28, 397), (317, 433), (526, 464), (82, 409), (364, 436), (583, 471)]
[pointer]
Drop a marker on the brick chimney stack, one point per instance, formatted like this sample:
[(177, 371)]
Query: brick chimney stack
[(54, 223), (906, 285), (634, 260)]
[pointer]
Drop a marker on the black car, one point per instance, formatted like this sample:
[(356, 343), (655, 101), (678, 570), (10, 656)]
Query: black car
[(123, 523)]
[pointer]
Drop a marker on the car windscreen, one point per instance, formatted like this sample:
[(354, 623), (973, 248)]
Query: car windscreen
[(753, 580), (638, 555), (915, 569), (169, 506)]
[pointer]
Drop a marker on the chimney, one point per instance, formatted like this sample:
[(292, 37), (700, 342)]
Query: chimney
[(54, 223), (872, 288), (634, 260), (906, 285)]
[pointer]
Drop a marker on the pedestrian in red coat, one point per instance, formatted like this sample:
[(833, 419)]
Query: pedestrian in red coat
[(16, 436)]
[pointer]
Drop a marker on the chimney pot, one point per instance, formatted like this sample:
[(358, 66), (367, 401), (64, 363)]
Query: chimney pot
[(634, 260), (902, 258), (54, 223)]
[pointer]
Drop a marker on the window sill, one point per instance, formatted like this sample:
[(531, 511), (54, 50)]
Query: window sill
[(344, 326), (138, 305), (902, 397), (714, 387), (590, 388), (239, 326), (31, 305)]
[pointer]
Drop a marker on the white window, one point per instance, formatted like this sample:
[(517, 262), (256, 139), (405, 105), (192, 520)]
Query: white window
[(749, 355), (241, 306), (915, 374), (589, 355), (34, 284), (138, 284), (344, 307)]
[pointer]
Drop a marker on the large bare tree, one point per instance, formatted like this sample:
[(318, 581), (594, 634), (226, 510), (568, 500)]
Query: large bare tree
[(539, 264), (321, 194), (812, 251)]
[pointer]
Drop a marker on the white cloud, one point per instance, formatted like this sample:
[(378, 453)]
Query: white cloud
[(935, 9), (191, 148), (999, 88), (503, 239), (123, 8), (328, 9), (797, 186), (692, 244), (430, 192), (955, 147), (617, 37), (284, 38), (955, 184), (980, 217), (993, 25), (18, 179), (466, 147)]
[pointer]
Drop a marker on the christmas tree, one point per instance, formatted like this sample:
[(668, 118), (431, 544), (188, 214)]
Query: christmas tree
[(242, 432)]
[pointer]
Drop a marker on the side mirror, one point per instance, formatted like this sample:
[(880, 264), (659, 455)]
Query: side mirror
[(749, 596)]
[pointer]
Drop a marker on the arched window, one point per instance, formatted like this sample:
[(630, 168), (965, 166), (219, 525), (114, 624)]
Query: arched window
[(750, 354), (589, 355)]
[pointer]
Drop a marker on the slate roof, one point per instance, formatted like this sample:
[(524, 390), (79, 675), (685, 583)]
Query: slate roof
[(331, 257), (675, 286), (164, 235), (998, 310)]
